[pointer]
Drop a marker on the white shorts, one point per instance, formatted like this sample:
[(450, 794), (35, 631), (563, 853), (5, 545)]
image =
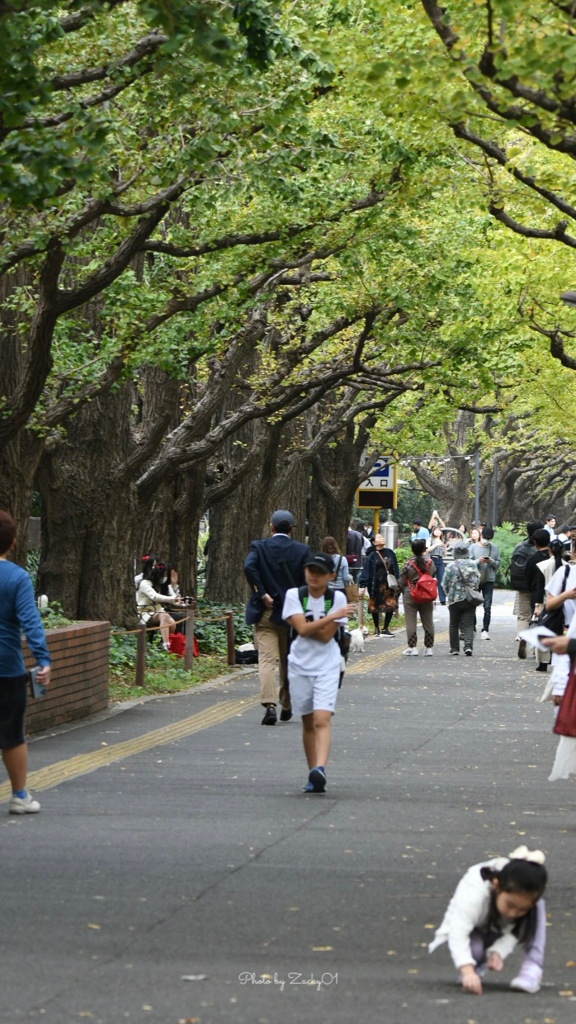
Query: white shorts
[(313, 693)]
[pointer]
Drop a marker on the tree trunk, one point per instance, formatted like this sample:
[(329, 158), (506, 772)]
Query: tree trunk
[(18, 463), (335, 477), (241, 516), (90, 519)]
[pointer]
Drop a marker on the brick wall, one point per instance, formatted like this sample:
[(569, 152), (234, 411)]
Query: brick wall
[(79, 685)]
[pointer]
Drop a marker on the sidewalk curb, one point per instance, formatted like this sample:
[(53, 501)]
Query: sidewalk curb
[(117, 709)]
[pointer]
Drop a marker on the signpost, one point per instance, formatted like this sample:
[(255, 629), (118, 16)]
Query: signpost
[(380, 489)]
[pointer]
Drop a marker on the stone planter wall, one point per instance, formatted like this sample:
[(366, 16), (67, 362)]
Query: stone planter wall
[(79, 685)]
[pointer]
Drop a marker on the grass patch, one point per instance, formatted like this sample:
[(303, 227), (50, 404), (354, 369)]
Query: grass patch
[(170, 678)]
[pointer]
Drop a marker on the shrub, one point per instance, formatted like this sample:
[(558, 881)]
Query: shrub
[(506, 538)]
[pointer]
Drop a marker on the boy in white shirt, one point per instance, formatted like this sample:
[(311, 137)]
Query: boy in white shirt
[(314, 661)]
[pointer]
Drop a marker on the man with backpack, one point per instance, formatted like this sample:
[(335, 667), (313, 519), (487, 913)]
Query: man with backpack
[(271, 567), (520, 583), (420, 589), (315, 613)]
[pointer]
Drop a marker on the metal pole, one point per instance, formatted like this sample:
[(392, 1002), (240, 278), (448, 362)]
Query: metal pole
[(189, 634), (231, 654), (477, 486), (495, 497)]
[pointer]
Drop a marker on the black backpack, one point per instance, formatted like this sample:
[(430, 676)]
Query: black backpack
[(520, 557)]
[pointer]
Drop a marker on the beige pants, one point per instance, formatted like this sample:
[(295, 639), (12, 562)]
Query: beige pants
[(523, 615), (271, 641)]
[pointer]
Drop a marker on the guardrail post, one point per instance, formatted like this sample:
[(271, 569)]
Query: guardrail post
[(140, 655), (189, 635), (230, 652)]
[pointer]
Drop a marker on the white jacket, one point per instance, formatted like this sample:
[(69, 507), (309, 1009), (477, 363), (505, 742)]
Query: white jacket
[(468, 909), (148, 601)]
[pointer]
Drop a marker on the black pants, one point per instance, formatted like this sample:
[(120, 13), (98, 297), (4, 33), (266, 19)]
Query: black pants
[(487, 591), (462, 617), (387, 619)]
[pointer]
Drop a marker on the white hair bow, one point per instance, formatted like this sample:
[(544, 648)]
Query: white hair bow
[(523, 853)]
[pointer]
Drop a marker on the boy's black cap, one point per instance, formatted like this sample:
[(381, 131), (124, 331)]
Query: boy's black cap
[(320, 561)]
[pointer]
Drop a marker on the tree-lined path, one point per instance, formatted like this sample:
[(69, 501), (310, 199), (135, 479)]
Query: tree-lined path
[(197, 854)]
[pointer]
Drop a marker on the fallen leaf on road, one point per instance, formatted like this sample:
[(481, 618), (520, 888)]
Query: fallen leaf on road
[(95, 926), (321, 949), (194, 977)]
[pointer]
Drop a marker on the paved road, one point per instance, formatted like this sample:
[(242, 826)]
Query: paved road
[(190, 850)]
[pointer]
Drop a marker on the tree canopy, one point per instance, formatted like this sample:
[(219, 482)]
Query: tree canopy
[(228, 233)]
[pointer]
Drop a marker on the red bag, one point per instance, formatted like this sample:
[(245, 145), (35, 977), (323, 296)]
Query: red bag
[(425, 588), (177, 644), (566, 718)]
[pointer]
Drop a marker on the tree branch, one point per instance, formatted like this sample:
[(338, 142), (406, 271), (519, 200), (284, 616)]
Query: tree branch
[(559, 232), (148, 44)]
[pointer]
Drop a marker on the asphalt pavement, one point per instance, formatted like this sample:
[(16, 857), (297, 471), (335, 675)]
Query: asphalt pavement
[(177, 873)]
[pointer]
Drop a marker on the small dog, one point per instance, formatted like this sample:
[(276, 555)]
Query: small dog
[(356, 641)]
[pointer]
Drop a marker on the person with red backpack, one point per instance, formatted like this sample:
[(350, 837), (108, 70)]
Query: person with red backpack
[(418, 584)]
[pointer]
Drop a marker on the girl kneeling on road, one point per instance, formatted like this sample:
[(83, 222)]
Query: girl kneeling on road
[(496, 906)]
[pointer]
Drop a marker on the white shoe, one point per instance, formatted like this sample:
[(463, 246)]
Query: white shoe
[(528, 979), (427, 652), (411, 651), (484, 635), (26, 805)]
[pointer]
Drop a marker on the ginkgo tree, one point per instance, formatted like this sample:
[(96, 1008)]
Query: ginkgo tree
[(236, 242)]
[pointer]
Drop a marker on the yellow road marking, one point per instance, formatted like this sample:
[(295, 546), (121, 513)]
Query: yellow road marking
[(374, 661), (61, 771)]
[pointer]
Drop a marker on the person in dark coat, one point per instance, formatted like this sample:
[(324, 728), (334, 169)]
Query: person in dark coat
[(272, 567), (380, 562), (535, 581)]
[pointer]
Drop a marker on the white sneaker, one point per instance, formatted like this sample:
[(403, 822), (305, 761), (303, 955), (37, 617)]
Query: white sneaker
[(427, 652), (26, 805), (484, 635), (528, 979), (411, 651)]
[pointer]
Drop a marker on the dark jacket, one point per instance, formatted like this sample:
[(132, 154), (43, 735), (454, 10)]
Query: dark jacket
[(272, 566), (354, 547), (368, 575), (534, 578)]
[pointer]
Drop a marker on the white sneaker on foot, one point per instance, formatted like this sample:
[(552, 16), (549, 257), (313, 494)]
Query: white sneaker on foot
[(427, 652), (410, 651), (23, 805), (528, 979), (484, 635)]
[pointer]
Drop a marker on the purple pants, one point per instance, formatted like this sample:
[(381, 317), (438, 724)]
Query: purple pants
[(534, 953)]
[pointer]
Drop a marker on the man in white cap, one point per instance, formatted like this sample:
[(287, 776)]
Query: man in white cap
[(272, 567)]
